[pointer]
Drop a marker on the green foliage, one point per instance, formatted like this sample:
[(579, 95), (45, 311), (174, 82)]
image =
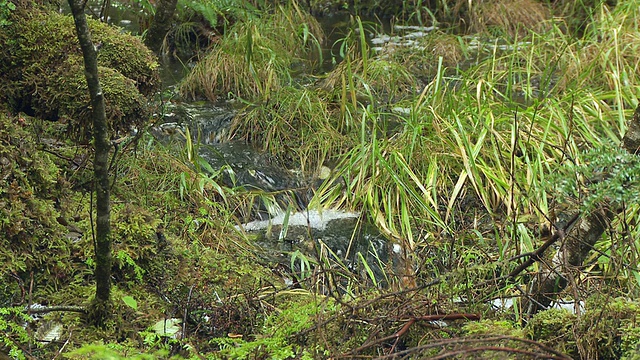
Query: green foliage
[(6, 7), (135, 241), (220, 12), (131, 302), (605, 175), (12, 332)]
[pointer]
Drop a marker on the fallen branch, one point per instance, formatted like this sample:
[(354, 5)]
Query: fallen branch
[(39, 309), (549, 353)]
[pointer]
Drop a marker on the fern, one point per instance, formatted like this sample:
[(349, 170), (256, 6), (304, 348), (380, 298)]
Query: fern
[(12, 331)]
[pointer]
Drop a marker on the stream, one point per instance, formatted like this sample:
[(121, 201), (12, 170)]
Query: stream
[(284, 226)]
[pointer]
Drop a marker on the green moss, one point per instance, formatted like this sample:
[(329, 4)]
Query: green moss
[(30, 235), (492, 327), (42, 70), (125, 106), (608, 329), (554, 327), (277, 340)]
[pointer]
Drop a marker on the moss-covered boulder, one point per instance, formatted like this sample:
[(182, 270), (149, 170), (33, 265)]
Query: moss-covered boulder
[(125, 106), (554, 328), (41, 70)]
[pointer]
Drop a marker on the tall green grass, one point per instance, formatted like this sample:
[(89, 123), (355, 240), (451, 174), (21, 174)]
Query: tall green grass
[(494, 133), (255, 57), (418, 155)]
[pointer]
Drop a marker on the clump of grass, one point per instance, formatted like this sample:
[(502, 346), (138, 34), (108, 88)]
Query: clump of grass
[(608, 57), (422, 59), (255, 56), (295, 124), (513, 18), (383, 80)]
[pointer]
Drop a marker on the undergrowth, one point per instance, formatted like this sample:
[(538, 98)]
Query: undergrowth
[(464, 167)]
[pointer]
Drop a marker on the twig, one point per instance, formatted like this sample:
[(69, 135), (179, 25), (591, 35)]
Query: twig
[(63, 345), (411, 321), (186, 311), (48, 309), (21, 284)]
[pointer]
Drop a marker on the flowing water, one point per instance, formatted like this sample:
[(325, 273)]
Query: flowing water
[(285, 226)]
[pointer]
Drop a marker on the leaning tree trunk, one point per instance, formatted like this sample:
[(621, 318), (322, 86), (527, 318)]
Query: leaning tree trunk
[(101, 307), (160, 25), (577, 238)]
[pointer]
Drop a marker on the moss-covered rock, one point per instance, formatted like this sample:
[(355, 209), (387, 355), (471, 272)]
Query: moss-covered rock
[(125, 106), (41, 69), (554, 328)]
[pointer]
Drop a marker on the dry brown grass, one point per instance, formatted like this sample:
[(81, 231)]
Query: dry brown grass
[(448, 47), (509, 17)]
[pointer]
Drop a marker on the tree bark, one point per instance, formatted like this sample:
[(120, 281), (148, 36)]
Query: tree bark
[(577, 240), (160, 24), (100, 309)]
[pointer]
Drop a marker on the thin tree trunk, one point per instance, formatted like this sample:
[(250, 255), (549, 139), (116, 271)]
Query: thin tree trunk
[(101, 307), (577, 239), (160, 25)]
